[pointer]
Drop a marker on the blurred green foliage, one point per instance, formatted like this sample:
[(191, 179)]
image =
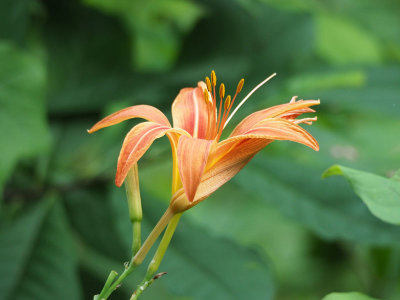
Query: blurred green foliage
[(277, 231)]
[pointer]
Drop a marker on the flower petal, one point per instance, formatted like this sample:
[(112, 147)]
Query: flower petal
[(136, 143), (226, 167), (287, 110), (147, 112), (192, 159), (281, 129), (190, 111)]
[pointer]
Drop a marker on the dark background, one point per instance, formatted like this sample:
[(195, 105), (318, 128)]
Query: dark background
[(277, 230)]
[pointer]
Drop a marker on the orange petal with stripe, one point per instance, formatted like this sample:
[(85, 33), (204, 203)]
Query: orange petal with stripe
[(226, 167), (192, 159), (190, 111), (136, 143), (281, 129), (147, 112), (287, 110)]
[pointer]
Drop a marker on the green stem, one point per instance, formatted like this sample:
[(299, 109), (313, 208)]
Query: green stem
[(134, 206), (162, 247), (142, 286), (136, 238), (158, 257), (110, 279), (141, 254)]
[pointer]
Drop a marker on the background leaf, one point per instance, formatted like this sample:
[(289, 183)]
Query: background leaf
[(37, 260), (24, 127), (347, 296), (381, 195)]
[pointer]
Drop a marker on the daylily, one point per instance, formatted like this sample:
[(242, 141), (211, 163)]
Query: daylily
[(201, 162)]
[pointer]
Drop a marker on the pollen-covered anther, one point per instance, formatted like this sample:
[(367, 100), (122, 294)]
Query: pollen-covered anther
[(227, 102), (222, 91), (213, 78), (239, 86), (208, 83), (206, 96), (307, 121)]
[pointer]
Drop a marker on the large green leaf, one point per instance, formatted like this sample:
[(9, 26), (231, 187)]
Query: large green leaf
[(23, 122), (347, 296), (381, 195), (326, 207), (37, 260)]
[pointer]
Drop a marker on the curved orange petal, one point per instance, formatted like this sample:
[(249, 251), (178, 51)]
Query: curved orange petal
[(192, 160), (147, 112), (287, 110), (232, 154), (190, 111), (136, 143), (226, 167), (277, 129)]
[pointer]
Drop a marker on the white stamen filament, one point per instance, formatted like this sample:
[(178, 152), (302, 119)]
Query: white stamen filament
[(247, 97)]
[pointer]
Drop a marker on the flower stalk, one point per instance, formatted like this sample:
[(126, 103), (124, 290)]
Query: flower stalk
[(134, 206), (140, 255)]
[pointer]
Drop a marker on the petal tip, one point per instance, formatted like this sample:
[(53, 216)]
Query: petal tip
[(119, 181)]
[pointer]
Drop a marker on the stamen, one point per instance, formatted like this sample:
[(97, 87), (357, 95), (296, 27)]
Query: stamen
[(208, 83), (214, 83), (293, 99), (227, 102), (206, 96), (247, 97), (213, 78), (222, 91), (239, 86)]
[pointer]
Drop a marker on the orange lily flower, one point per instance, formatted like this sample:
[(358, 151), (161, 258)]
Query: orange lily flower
[(201, 162)]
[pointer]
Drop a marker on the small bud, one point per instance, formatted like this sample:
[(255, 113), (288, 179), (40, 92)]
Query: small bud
[(208, 83), (239, 86), (213, 78), (227, 102), (222, 91)]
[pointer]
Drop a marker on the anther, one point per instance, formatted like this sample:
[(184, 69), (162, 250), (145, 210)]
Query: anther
[(227, 102), (208, 83), (206, 96), (213, 78), (240, 86), (222, 91)]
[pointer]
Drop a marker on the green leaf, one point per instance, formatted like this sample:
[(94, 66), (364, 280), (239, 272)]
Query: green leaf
[(329, 208), (15, 19), (22, 116), (156, 28), (36, 257), (381, 195), (347, 296), (339, 41)]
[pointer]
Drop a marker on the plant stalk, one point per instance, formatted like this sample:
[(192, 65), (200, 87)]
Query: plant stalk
[(141, 254)]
